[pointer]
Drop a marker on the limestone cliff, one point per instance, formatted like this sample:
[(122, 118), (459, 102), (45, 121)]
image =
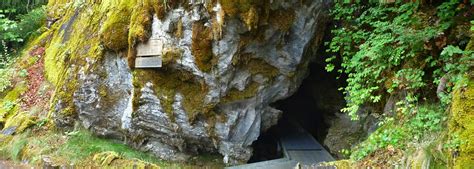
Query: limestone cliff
[(224, 63)]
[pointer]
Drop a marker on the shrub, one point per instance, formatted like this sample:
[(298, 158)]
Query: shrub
[(14, 32), (386, 48), (31, 22)]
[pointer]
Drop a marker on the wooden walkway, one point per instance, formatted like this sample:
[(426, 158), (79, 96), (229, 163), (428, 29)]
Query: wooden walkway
[(299, 147)]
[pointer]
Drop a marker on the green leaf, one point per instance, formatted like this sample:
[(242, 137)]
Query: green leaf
[(329, 67)]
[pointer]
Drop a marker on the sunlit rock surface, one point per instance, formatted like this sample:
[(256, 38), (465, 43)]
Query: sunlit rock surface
[(223, 67)]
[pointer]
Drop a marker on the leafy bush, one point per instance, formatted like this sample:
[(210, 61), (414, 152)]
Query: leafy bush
[(420, 122), (390, 136), (31, 22), (9, 31), (454, 142), (401, 49), (21, 6), (427, 118), (15, 32), (384, 48)]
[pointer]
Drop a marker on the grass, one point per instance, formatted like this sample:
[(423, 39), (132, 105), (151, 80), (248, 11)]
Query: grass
[(78, 148), (82, 144), (17, 147)]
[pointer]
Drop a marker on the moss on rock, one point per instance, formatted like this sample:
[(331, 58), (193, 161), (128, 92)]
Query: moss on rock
[(9, 104), (282, 19), (341, 164), (259, 66), (235, 95), (114, 31), (21, 121), (247, 10), (171, 55), (105, 158), (461, 124), (168, 83), (133, 163), (202, 46), (82, 34)]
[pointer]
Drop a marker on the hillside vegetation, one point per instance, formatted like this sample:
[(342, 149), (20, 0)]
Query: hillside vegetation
[(413, 63)]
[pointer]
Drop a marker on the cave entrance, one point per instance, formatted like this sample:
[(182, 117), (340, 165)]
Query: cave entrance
[(311, 108)]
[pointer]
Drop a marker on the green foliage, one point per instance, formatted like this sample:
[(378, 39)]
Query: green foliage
[(74, 148), (454, 62), (31, 22), (9, 30), (82, 144), (448, 10), (8, 105), (23, 73), (23, 25), (427, 119), (409, 79), (383, 49), (17, 147), (454, 143), (5, 75), (14, 32), (345, 152), (14, 150), (42, 122), (391, 135), (20, 6), (419, 122), (472, 25)]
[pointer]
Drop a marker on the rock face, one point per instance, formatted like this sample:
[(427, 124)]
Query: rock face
[(224, 63)]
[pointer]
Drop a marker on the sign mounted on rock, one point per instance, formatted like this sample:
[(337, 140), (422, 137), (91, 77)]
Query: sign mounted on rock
[(149, 54)]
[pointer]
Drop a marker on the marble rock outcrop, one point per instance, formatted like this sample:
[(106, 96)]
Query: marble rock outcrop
[(224, 64)]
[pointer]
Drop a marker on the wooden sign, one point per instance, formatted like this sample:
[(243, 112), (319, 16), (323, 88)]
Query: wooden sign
[(148, 62), (153, 47)]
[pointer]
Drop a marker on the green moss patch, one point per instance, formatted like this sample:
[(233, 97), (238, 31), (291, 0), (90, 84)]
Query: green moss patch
[(79, 148), (82, 149), (462, 125), (202, 46), (97, 26), (167, 83), (249, 11), (9, 105), (114, 31), (259, 66), (235, 95)]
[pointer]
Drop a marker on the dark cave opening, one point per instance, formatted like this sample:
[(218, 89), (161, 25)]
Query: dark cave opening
[(312, 107)]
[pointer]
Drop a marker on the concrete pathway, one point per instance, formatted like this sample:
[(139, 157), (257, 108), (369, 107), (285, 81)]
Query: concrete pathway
[(299, 147)]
